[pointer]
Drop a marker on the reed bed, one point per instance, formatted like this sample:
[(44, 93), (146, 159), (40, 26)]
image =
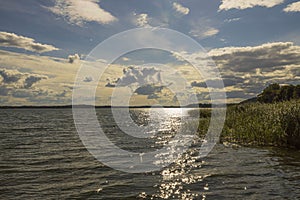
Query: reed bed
[(257, 124)]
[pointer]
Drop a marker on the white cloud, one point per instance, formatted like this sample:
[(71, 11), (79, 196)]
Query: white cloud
[(17, 41), (204, 33), (125, 59), (181, 9), (244, 4), (80, 11), (232, 20), (293, 7), (142, 20), (136, 76), (210, 32), (73, 58)]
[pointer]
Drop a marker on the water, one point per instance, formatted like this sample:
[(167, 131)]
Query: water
[(42, 157)]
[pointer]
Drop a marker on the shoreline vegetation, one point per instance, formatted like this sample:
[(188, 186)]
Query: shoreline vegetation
[(271, 119), (261, 124)]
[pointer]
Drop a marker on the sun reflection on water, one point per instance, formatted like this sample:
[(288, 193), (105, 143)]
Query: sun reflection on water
[(178, 180)]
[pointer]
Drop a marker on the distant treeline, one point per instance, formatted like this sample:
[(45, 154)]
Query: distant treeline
[(200, 105), (278, 93)]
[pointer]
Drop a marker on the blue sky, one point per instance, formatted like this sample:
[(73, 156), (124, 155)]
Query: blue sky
[(238, 28), (251, 26)]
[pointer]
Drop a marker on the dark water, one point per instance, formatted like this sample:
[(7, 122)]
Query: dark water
[(42, 157)]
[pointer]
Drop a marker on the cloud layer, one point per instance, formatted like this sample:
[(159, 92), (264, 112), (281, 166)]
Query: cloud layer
[(18, 84), (251, 69), (293, 7), (17, 41), (246, 71), (80, 11), (16, 79), (244, 4), (16, 87), (269, 56)]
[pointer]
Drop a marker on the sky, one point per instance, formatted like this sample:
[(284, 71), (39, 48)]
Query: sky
[(43, 43)]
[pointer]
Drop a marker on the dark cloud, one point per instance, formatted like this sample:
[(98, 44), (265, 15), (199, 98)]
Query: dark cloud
[(232, 81), (252, 68), (269, 57), (88, 79), (21, 93), (68, 86), (4, 91), (238, 94), (23, 87), (110, 85), (16, 79), (49, 100), (198, 84), (246, 71), (296, 71), (42, 96), (20, 85), (32, 79), (10, 76), (13, 40), (63, 93), (212, 83), (153, 96), (149, 89), (203, 96)]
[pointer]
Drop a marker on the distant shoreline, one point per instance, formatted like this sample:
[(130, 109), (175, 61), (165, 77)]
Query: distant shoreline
[(90, 106)]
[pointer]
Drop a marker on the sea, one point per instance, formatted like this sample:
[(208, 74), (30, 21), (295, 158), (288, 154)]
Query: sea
[(43, 157)]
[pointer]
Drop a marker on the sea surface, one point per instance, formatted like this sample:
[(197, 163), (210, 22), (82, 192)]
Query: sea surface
[(43, 157)]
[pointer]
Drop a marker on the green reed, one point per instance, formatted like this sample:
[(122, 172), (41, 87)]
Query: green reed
[(275, 124), (257, 124)]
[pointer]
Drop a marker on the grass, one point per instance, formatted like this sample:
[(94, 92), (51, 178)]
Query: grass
[(257, 124)]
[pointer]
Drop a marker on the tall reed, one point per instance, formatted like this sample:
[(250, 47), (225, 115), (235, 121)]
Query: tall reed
[(258, 124), (264, 124)]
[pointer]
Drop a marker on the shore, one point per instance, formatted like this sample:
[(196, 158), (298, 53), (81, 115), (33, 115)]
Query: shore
[(257, 124)]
